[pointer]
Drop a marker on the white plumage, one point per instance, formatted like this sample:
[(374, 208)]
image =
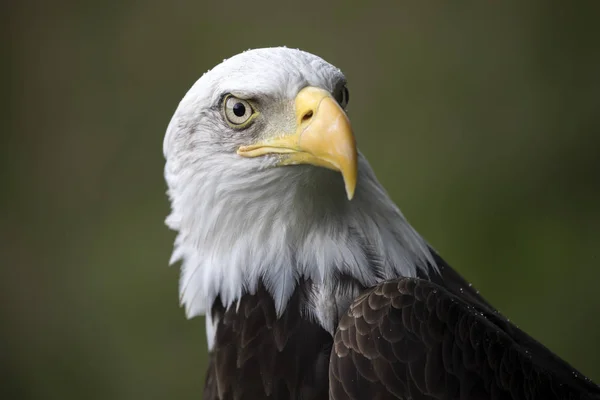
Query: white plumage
[(240, 221)]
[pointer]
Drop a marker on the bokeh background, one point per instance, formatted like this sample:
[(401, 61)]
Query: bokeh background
[(482, 120)]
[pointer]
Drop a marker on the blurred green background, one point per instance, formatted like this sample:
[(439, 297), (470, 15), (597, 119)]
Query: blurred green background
[(482, 121)]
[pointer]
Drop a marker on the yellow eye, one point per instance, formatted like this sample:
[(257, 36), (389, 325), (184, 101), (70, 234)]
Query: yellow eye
[(237, 111)]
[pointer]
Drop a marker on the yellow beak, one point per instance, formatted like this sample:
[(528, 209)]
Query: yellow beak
[(323, 137)]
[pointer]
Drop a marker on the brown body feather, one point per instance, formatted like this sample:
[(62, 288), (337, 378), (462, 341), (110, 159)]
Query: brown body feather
[(432, 337)]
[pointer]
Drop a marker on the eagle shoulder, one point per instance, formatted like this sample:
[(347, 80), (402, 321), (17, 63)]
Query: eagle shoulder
[(410, 338)]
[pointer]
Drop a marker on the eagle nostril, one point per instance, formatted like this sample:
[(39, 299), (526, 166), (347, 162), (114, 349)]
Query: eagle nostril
[(308, 115)]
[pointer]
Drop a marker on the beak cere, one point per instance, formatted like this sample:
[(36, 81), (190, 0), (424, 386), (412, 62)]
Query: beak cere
[(323, 138)]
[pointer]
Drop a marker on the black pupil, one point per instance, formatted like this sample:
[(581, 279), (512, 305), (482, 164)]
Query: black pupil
[(239, 109)]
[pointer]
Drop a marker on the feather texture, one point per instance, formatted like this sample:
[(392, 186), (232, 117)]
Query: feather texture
[(241, 222), (258, 355), (310, 296), (410, 338)]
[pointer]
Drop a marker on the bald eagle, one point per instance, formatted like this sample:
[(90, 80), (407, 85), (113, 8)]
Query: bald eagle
[(312, 282)]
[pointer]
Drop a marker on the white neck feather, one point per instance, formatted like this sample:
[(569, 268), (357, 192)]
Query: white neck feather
[(279, 225)]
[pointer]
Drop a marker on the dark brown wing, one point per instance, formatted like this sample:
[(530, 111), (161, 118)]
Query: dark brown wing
[(412, 339), (456, 284), (259, 356)]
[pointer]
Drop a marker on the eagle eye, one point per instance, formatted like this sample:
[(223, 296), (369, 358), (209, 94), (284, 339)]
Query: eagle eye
[(343, 96), (238, 112)]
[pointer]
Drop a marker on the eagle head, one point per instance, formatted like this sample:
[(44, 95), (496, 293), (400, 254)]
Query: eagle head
[(267, 185)]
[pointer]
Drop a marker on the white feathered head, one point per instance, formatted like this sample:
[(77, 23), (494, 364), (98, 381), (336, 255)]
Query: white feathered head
[(261, 166)]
